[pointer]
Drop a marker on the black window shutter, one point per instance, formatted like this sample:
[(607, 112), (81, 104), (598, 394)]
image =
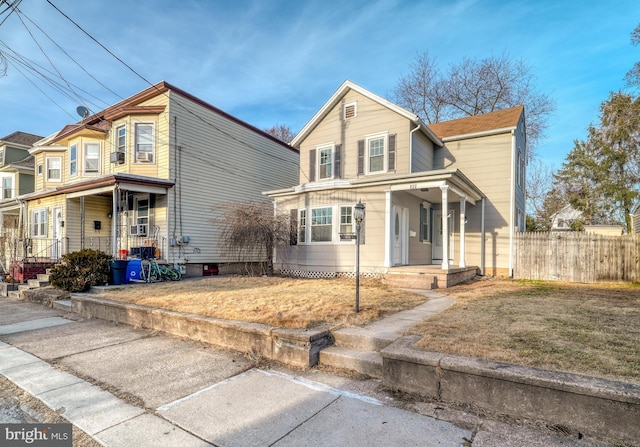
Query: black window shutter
[(312, 165), (337, 161), (422, 222), (293, 227), (392, 153), (360, 156)]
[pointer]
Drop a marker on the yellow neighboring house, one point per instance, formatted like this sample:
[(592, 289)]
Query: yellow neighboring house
[(143, 178), (16, 179), (361, 147)]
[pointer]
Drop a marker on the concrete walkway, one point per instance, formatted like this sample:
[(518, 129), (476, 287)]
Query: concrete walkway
[(126, 387)]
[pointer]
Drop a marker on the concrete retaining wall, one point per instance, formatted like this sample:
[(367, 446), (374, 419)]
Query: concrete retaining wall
[(300, 348), (593, 406)]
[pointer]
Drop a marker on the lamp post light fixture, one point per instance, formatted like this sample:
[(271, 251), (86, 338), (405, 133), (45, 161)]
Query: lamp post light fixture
[(358, 215)]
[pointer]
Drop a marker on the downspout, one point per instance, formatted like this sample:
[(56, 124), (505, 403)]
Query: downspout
[(482, 241), (411, 148), (512, 199), (115, 219)]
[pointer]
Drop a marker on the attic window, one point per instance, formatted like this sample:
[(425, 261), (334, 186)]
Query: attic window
[(350, 110)]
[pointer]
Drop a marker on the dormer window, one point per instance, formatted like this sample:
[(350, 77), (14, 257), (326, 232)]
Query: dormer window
[(350, 110)]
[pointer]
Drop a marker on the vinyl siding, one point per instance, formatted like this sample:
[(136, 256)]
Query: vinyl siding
[(487, 161), (423, 151), (96, 208), (220, 161), (372, 118)]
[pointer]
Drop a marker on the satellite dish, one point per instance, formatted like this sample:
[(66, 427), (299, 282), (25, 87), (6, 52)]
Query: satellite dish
[(82, 111)]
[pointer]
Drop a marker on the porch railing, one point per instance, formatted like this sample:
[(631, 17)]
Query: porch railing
[(103, 243), (33, 249)]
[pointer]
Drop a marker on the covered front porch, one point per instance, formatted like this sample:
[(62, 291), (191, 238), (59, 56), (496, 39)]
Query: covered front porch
[(433, 221)]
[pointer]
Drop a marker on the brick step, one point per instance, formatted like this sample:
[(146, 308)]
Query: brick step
[(367, 363), (362, 339)]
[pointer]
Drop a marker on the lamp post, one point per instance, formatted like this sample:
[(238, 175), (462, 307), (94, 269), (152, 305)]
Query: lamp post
[(358, 215)]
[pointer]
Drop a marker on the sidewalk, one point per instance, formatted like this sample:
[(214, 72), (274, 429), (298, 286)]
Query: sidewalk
[(125, 387)]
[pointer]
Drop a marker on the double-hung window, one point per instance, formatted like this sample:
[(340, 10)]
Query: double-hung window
[(7, 187), (375, 147), (425, 221), (144, 146), (302, 226), (39, 223), (54, 169), (73, 160), (325, 163), (322, 224), (121, 138), (92, 157), (346, 220)]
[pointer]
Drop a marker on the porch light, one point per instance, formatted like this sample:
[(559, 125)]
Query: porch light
[(358, 216)]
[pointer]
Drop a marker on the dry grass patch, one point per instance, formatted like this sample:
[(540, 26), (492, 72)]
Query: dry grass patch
[(586, 329), (282, 302)]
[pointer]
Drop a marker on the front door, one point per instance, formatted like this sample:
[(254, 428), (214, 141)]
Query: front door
[(56, 243), (399, 235), (437, 236)]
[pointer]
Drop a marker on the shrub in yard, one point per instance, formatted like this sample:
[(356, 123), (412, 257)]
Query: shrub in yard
[(80, 270)]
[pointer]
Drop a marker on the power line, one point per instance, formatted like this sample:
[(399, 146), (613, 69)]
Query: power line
[(177, 102), (69, 56)]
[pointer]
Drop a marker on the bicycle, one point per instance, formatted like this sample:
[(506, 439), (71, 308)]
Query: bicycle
[(151, 271)]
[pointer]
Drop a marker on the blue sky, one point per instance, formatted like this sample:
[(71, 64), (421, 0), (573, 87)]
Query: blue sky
[(270, 62)]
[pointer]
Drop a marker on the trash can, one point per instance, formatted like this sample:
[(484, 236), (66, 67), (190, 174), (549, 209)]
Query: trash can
[(118, 272), (133, 270)]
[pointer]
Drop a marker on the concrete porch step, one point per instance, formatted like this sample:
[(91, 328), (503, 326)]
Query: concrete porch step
[(367, 363), (411, 280), (44, 277), (35, 283), (14, 294), (6, 287)]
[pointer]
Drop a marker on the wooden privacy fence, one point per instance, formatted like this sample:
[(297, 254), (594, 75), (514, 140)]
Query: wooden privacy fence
[(577, 257)]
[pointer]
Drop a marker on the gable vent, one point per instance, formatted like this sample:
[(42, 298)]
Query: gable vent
[(350, 110)]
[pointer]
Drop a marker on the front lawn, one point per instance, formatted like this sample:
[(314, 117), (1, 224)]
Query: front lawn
[(581, 328), (586, 329)]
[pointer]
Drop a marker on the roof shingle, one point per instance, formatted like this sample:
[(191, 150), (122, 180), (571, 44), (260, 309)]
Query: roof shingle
[(26, 139), (479, 123)]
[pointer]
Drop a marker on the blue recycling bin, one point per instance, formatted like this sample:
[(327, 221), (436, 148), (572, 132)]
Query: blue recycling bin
[(133, 270), (118, 271)]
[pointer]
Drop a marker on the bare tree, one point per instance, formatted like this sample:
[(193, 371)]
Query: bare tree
[(251, 231), (633, 76), (539, 184), (473, 87), (281, 132)]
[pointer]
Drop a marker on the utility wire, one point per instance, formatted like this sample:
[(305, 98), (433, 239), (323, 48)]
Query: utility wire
[(244, 143), (69, 56), (46, 55)]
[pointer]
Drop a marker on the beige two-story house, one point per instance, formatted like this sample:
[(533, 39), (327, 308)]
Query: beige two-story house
[(146, 177), (448, 196)]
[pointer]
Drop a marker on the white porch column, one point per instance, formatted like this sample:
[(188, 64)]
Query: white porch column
[(387, 229), (115, 218), (445, 227), (463, 218)]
